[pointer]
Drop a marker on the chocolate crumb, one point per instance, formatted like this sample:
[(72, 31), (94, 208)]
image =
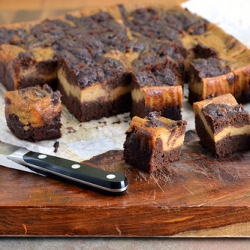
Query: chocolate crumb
[(116, 122), (71, 129), (56, 146), (102, 122)]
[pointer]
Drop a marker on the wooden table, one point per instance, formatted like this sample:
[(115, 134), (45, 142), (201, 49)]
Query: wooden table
[(196, 196)]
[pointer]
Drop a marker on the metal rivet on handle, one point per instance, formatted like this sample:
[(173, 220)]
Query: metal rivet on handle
[(42, 156), (111, 176), (76, 166)]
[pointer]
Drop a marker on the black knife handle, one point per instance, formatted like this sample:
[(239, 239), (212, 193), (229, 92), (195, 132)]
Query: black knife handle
[(114, 183)]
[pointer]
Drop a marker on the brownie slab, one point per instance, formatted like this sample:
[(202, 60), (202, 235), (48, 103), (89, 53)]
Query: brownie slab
[(106, 50)]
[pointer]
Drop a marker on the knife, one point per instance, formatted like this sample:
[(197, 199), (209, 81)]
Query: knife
[(112, 183)]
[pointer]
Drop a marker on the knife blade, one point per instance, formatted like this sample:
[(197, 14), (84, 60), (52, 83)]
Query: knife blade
[(112, 183)]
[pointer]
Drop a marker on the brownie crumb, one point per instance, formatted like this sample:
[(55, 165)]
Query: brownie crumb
[(71, 130), (56, 146)]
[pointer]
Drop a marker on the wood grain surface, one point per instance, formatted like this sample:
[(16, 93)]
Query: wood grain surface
[(195, 196)]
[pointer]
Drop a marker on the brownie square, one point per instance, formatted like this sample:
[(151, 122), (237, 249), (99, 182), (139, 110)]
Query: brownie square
[(154, 141)]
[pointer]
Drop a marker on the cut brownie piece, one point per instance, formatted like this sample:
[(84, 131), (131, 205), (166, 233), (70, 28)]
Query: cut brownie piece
[(209, 77), (217, 44), (94, 91), (156, 89), (93, 79), (20, 68), (222, 125), (154, 141), (30, 59), (158, 74), (34, 113)]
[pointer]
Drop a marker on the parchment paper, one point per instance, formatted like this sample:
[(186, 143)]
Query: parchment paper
[(81, 141)]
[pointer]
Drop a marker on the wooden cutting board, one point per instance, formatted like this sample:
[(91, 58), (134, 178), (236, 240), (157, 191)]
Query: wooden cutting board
[(195, 196)]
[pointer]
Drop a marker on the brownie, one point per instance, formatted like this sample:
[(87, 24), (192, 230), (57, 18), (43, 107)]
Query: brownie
[(21, 68), (94, 91), (156, 89), (203, 83), (153, 142), (223, 125), (34, 113)]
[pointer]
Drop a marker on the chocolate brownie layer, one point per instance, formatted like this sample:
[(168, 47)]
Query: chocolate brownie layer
[(92, 110), (145, 159), (139, 109), (34, 134)]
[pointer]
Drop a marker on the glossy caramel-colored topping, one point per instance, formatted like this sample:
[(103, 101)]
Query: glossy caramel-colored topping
[(228, 99), (155, 127), (159, 97), (34, 106)]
